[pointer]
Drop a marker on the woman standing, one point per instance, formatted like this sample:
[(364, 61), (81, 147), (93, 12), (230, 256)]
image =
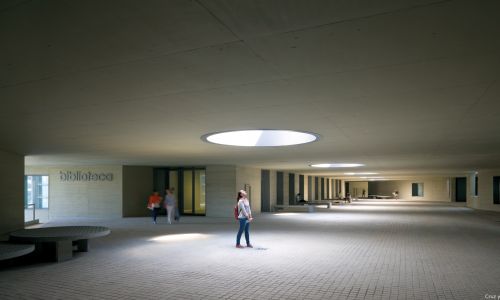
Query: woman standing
[(154, 205), (244, 218), (170, 204)]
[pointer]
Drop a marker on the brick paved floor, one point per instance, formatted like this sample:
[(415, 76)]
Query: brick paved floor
[(367, 250)]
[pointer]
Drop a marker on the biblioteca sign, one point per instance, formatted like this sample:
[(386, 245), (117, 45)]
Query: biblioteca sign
[(84, 176)]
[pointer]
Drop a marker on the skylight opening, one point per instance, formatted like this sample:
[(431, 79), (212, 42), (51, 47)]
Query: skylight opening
[(260, 138)]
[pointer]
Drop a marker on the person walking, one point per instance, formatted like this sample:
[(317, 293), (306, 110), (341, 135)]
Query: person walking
[(170, 205), (154, 205), (244, 218)]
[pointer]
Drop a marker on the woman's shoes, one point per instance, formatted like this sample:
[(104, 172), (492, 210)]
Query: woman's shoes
[(249, 246), (239, 246)]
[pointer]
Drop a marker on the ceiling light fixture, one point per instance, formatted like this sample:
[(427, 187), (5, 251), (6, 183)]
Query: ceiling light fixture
[(260, 138), (337, 165), (361, 173)]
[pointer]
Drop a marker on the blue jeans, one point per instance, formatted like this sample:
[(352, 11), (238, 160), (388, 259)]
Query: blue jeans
[(244, 225), (154, 213)]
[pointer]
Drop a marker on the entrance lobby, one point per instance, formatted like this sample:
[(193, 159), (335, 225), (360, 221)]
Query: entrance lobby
[(369, 249)]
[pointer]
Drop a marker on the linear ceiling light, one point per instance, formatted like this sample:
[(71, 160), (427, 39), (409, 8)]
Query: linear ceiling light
[(261, 138), (360, 173), (337, 165)]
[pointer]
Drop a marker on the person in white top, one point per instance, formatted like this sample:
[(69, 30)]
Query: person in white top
[(170, 204), (244, 218)]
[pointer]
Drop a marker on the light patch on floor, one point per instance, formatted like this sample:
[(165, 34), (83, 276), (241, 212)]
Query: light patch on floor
[(179, 237)]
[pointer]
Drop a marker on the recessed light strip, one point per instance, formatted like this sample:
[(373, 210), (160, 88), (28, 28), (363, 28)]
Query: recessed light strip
[(360, 173), (337, 165)]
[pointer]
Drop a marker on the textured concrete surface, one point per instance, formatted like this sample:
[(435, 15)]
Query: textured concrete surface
[(367, 250)]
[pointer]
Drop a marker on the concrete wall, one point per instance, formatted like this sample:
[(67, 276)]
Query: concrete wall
[(306, 188), (137, 186), (251, 176), (356, 188), (485, 190), (435, 189), (220, 190), (82, 198), (11, 192)]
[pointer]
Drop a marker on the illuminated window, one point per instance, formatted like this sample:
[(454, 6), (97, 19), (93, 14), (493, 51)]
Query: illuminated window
[(36, 191)]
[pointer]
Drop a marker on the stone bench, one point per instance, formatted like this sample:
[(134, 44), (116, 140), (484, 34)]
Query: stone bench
[(320, 202), (57, 243), (10, 250), (296, 208)]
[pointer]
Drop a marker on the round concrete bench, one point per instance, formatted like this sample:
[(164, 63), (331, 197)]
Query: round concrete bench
[(57, 243), (9, 250)]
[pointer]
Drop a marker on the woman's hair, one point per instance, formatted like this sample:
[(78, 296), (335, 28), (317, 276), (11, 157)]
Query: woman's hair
[(240, 195)]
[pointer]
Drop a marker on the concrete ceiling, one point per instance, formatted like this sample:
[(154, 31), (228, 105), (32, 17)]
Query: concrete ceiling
[(402, 86)]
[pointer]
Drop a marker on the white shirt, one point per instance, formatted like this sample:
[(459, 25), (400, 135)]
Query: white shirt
[(244, 209)]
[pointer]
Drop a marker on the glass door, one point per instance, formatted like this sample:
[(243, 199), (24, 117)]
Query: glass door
[(36, 197), (193, 192), (189, 185), (199, 192)]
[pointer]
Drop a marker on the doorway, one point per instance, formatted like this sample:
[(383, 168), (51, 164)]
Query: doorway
[(460, 189), (189, 185), (36, 198)]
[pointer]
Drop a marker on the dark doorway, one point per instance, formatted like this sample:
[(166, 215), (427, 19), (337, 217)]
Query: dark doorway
[(496, 189), (460, 189), (291, 189), (301, 186), (279, 188)]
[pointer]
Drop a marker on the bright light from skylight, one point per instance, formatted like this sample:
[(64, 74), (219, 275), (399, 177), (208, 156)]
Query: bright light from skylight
[(337, 165), (179, 237), (261, 138)]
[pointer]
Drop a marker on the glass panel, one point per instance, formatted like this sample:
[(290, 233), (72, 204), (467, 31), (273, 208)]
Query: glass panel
[(188, 191), (44, 197), (37, 191), (28, 196), (36, 197), (199, 192), (173, 181)]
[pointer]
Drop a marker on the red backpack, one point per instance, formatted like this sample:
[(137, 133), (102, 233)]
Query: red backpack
[(236, 212)]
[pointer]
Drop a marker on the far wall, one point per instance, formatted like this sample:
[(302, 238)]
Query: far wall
[(435, 189), (82, 197), (484, 200), (356, 188)]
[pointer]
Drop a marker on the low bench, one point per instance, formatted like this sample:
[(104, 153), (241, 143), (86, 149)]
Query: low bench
[(291, 208), (380, 197), (57, 243), (306, 207), (10, 250), (321, 202)]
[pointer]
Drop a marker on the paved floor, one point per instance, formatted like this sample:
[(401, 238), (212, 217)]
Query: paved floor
[(367, 250)]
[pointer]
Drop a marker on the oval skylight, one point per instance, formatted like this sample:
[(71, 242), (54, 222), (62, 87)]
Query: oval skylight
[(260, 138), (337, 165)]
